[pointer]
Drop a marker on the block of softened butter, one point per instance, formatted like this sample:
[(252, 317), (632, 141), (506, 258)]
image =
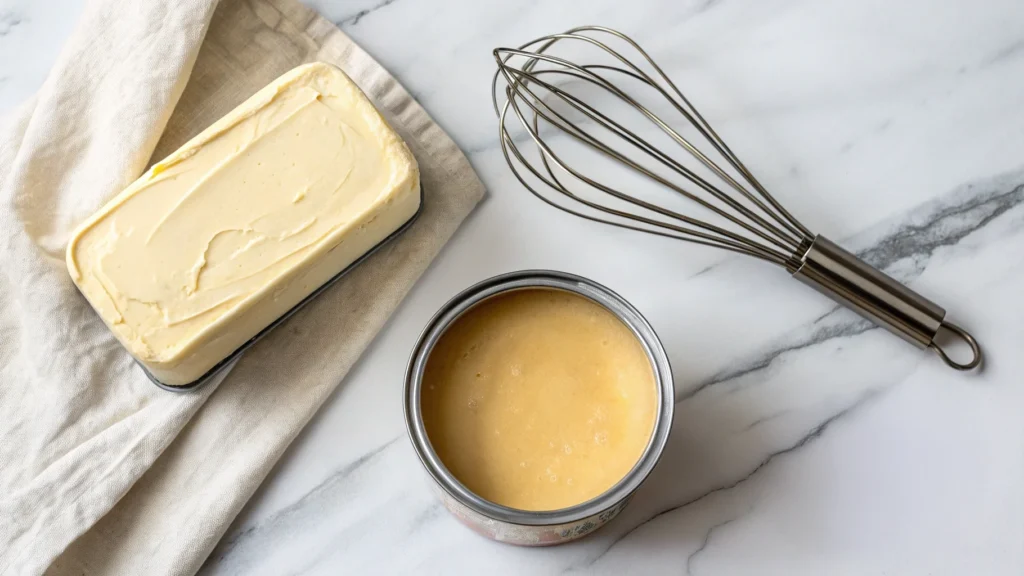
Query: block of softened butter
[(245, 220)]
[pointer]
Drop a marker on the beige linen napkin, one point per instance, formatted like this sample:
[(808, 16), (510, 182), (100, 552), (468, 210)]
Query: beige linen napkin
[(103, 473)]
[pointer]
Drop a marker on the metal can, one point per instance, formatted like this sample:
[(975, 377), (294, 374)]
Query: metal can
[(522, 527)]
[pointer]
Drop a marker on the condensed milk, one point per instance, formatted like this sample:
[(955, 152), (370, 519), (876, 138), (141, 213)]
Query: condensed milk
[(539, 399), (538, 402)]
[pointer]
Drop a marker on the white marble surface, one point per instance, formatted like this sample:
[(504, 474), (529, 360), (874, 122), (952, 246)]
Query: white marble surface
[(805, 441)]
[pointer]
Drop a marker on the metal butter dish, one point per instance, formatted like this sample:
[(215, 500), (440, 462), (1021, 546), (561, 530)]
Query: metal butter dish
[(231, 358), (523, 527)]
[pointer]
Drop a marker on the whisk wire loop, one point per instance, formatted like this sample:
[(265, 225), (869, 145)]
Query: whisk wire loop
[(794, 233), (707, 131), (552, 116), (518, 89)]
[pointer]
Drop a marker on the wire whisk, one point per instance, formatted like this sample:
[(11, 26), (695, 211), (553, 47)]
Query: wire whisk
[(572, 101)]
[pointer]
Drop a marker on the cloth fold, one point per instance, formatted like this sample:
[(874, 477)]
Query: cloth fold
[(102, 472)]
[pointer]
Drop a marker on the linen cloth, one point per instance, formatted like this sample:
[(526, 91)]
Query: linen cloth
[(101, 472)]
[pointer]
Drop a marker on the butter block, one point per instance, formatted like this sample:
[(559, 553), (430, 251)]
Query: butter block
[(245, 220)]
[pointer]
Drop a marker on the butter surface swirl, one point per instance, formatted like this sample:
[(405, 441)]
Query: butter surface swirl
[(238, 211)]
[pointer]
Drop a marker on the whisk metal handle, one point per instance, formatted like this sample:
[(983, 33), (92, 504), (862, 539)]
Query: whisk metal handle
[(842, 276)]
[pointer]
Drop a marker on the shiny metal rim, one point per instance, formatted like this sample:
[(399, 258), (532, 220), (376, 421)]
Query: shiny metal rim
[(593, 291)]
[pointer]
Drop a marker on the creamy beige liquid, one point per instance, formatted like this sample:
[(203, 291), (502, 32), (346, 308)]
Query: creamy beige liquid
[(539, 399)]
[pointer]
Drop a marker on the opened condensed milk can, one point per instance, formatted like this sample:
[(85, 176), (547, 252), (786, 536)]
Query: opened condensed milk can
[(478, 405)]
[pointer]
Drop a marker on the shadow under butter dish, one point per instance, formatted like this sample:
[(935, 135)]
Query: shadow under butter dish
[(539, 399)]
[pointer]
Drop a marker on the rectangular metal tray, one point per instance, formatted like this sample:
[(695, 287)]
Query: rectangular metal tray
[(230, 359)]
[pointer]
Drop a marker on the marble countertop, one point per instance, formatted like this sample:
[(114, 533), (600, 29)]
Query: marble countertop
[(805, 441)]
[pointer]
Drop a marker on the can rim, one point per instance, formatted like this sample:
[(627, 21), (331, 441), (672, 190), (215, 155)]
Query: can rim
[(551, 279)]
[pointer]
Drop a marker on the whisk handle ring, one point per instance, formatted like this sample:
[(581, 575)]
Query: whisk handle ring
[(967, 338)]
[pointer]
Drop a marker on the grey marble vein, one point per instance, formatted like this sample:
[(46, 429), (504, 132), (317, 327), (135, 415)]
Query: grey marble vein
[(767, 418), (9, 21), (817, 336), (1007, 52), (281, 516), (435, 511), (705, 5), (878, 128), (704, 544), (355, 18), (944, 223), (937, 224), (804, 440)]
